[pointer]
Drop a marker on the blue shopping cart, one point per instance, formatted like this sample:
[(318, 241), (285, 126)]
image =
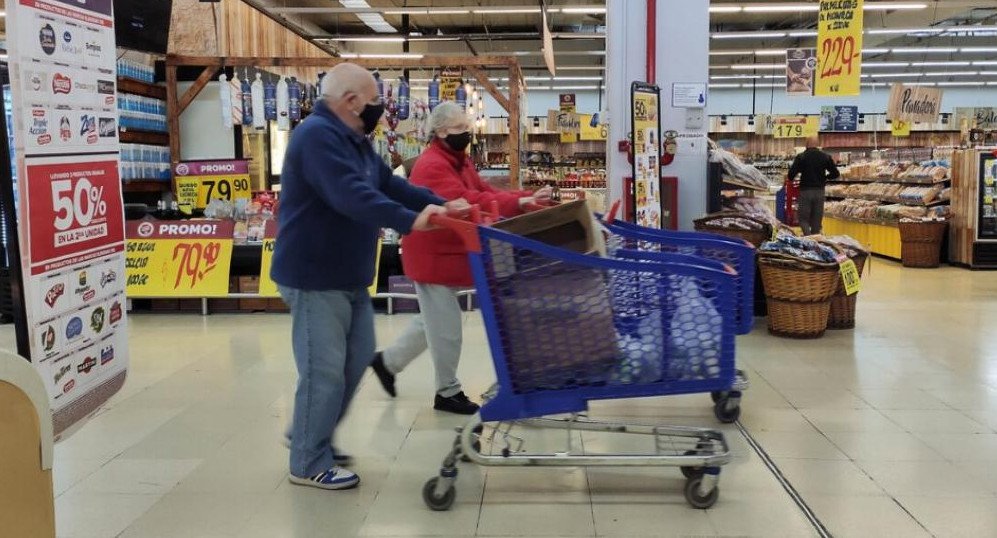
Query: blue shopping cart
[(566, 328)]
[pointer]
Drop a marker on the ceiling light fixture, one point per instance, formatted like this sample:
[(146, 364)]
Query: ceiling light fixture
[(583, 10), (875, 51), (951, 73), (781, 8), (977, 49), (506, 11), (725, 9), (770, 52), (884, 64), (924, 50), (373, 39), (938, 64), (751, 35), (758, 66), (731, 52)]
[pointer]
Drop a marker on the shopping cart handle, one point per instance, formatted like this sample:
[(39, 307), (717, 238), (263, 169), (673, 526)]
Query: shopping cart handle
[(464, 222), (611, 216)]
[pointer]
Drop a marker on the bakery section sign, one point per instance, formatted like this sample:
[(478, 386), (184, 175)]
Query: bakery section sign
[(71, 216), (914, 103)]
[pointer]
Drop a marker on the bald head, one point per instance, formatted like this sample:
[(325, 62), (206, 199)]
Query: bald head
[(347, 89), (813, 142)]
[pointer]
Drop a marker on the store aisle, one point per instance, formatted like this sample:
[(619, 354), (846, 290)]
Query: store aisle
[(884, 431)]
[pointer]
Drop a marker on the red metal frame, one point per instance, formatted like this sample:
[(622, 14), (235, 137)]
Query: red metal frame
[(792, 197)]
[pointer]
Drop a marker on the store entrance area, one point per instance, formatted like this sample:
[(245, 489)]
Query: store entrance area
[(886, 430)]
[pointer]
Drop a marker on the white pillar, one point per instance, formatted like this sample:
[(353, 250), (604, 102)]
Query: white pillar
[(682, 55)]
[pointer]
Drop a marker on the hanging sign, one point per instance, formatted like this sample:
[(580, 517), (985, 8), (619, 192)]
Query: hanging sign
[(567, 122), (587, 132), (644, 104), (979, 117), (548, 44), (839, 47), (215, 180), (914, 103), (178, 258), (450, 79), (71, 234), (839, 118), (899, 128), (801, 70), (795, 126)]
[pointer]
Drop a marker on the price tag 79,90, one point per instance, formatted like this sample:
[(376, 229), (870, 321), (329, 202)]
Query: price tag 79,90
[(223, 188)]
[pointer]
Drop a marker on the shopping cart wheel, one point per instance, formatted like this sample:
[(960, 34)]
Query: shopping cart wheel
[(695, 499), (438, 503), (689, 471), (718, 395), (725, 414)]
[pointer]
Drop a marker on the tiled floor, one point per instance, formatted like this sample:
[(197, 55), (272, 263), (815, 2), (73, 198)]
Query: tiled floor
[(885, 431)]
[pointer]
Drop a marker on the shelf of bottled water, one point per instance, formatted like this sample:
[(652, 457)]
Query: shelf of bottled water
[(145, 162), (136, 70), (143, 113)]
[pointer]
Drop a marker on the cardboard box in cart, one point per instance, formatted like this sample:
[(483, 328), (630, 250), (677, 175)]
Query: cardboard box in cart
[(558, 317)]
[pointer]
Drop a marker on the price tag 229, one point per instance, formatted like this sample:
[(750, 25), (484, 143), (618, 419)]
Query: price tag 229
[(850, 276)]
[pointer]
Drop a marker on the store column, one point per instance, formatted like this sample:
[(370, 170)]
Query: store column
[(681, 51)]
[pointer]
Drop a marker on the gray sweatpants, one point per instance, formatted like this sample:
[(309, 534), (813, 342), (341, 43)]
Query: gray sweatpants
[(811, 210), (437, 328)]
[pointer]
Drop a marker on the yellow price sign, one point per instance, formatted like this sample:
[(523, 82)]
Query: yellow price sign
[(839, 48), (587, 132), (850, 276), (200, 182), (900, 128), (795, 126), (178, 258)]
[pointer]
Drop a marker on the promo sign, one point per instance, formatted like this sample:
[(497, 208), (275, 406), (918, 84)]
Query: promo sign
[(450, 80), (976, 118), (71, 216), (644, 104), (914, 103), (839, 47), (178, 258), (200, 182), (899, 128), (568, 124), (801, 70), (587, 132), (795, 126)]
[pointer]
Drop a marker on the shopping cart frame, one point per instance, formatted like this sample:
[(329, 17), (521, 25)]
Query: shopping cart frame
[(699, 452)]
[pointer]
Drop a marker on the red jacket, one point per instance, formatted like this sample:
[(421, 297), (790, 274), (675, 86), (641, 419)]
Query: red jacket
[(439, 257)]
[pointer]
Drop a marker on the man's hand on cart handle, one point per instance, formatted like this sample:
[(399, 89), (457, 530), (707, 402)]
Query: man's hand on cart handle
[(423, 223)]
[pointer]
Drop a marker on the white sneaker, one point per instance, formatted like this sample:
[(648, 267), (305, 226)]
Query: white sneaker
[(335, 478)]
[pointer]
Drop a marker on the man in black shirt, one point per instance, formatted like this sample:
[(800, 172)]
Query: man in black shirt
[(815, 167)]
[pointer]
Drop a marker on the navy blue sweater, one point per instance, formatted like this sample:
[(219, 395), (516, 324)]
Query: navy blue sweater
[(336, 193)]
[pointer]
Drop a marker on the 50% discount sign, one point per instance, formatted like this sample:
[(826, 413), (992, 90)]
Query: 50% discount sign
[(187, 259), (80, 211)]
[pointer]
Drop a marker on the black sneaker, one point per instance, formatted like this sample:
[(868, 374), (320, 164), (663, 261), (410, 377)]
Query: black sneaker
[(457, 404), (386, 378)]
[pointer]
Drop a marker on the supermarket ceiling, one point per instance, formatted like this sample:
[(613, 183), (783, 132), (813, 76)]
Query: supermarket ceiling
[(946, 40)]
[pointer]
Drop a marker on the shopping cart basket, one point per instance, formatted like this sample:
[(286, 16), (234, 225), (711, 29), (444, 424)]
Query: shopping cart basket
[(566, 328)]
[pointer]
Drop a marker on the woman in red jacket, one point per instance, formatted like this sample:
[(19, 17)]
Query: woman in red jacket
[(437, 262)]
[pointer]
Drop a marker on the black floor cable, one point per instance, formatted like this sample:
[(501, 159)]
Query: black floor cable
[(786, 485)]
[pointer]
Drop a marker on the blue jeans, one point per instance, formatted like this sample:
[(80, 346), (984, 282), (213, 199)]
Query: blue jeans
[(332, 335)]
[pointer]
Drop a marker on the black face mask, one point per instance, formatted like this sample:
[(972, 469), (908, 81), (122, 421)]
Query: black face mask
[(370, 115), (459, 142)]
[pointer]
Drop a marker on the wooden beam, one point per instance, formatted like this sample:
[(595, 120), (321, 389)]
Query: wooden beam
[(427, 61), (202, 80), (515, 79), (173, 118), (490, 86)]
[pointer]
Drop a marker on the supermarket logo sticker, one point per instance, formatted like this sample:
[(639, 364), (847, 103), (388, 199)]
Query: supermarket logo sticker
[(69, 385), (39, 126), (37, 81), (146, 229), (87, 365), (74, 328), (84, 290), (67, 44), (46, 37), (107, 128), (182, 169), (106, 88), (48, 339), (106, 277), (54, 293), (61, 373), (97, 319), (94, 49), (88, 128), (65, 129), (61, 84), (116, 313), (106, 355)]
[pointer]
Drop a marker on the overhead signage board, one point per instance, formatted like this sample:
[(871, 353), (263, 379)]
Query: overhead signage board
[(839, 48), (914, 103)]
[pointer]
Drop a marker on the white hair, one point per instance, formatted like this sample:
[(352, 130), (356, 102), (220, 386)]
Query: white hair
[(446, 115), (342, 79)]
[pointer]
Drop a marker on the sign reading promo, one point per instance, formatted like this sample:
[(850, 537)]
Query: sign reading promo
[(178, 258), (839, 47), (914, 103), (71, 233), (200, 182)]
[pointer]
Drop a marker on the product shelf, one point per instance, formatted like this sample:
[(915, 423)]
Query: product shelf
[(904, 181), (145, 185), (887, 200), (137, 87), (137, 136)]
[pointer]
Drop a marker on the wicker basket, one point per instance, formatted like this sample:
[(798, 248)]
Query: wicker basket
[(921, 243), (714, 224), (798, 293), (843, 305)]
